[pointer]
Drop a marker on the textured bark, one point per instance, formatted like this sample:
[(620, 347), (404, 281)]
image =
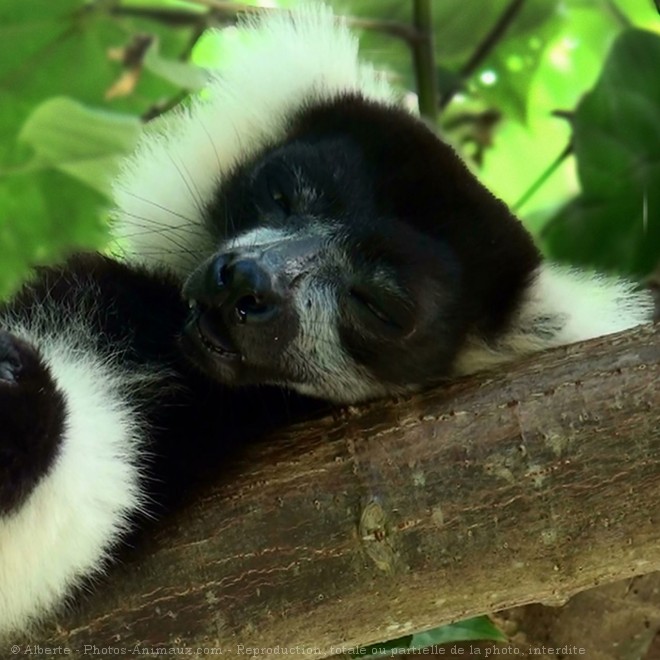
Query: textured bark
[(525, 485)]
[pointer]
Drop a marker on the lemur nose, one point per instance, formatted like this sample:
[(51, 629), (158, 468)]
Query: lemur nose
[(245, 285)]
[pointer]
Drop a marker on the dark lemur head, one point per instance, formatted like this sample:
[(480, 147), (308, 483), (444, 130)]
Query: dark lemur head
[(356, 256)]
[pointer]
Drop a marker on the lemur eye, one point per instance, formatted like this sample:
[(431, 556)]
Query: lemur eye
[(280, 187), (280, 197), (381, 310), (364, 300)]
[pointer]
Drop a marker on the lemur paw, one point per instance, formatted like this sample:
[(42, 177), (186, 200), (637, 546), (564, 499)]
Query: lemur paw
[(31, 420)]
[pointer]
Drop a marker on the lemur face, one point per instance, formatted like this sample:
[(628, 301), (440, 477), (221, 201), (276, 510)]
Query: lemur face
[(333, 273), (318, 290)]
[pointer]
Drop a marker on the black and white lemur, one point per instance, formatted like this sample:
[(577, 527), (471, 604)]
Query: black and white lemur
[(294, 228)]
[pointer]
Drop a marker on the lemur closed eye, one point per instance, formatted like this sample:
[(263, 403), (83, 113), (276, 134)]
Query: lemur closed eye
[(294, 230)]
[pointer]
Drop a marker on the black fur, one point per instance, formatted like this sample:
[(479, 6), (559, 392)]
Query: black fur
[(419, 180), (32, 417), (397, 201)]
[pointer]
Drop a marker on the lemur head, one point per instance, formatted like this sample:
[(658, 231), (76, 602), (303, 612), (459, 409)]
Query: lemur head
[(353, 258), (329, 240)]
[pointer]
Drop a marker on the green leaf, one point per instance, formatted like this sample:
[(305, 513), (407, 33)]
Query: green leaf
[(615, 222), (82, 142), (604, 234), (181, 74), (617, 125), (64, 215), (477, 628), (514, 62)]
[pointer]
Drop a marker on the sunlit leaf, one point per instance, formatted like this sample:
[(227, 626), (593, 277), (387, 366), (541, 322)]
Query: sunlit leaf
[(615, 223), (181, 74), (85, 143)]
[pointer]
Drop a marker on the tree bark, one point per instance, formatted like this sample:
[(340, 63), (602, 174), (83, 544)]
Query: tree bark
[(525, 485)]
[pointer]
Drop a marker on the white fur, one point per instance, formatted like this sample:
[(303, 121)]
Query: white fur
[(296, 59), (79, 510), (563, 305), (323, 367)]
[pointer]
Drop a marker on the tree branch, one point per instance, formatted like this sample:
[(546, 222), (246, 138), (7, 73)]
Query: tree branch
[(424, 61), (485, 47), (228, 13), (509, 488)]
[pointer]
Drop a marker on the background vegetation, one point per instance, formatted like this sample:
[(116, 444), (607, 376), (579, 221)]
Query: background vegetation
[(556, 103)]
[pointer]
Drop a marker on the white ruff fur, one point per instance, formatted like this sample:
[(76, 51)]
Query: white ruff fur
[(79, 510), (563, 305), (296, 60)]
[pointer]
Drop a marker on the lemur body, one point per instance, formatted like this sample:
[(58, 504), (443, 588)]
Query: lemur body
[(325, 241)]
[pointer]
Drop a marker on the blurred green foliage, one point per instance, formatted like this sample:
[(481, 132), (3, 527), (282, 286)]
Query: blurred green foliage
[(76, 87), (60, 138), (74, 94), (614, 222)]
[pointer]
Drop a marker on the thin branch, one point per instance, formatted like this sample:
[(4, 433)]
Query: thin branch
[(424, 61), (230, 10), (219, 11), (543, 177), (216, 12), (396, 29), (170, 17), (485, 47)]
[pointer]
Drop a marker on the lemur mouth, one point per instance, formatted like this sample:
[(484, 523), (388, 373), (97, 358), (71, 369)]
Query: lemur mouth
[(206, 327)]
